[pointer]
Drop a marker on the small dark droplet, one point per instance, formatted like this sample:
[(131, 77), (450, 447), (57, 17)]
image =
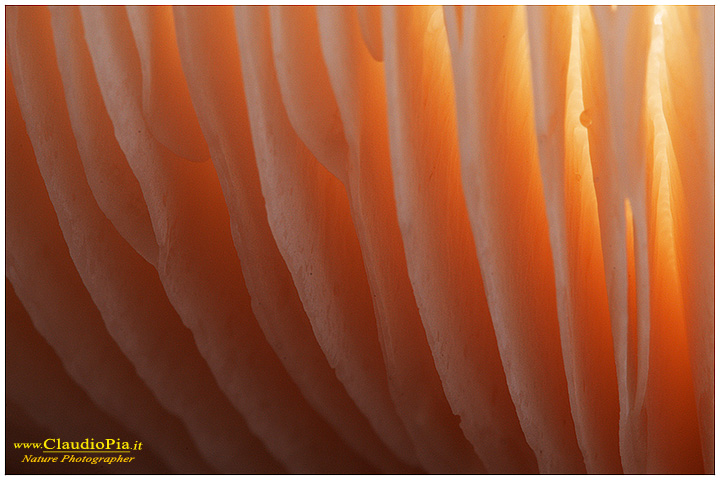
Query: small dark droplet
[(585, 119)]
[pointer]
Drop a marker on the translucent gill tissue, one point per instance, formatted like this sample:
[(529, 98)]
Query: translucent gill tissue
[(377, 239)]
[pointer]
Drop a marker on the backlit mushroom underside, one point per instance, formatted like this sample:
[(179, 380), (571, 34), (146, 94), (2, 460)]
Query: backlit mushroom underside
[(370, 239)]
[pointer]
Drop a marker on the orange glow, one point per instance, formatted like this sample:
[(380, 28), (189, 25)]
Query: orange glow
[(661, 176), (364, 239), (631, 295), (673, 429), (580, 198)]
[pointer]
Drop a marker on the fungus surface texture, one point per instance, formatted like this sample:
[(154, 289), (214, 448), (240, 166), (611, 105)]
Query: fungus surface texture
[(360, 239)]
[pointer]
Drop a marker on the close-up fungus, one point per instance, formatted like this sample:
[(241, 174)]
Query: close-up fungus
[(360, 239)]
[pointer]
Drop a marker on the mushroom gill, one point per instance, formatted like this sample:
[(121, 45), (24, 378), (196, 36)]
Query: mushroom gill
[(372, 239)]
